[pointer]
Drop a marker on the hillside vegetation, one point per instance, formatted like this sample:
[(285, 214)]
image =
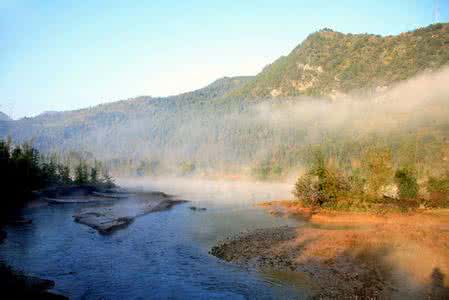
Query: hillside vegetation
[(330, 62), (221, 130)]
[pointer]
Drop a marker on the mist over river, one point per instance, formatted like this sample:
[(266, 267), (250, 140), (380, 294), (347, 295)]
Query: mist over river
[(161, 254)]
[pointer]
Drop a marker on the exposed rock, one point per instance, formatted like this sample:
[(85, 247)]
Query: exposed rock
[(103, 222), (274, 249), (390, 191), (194, 208), (119, 214)]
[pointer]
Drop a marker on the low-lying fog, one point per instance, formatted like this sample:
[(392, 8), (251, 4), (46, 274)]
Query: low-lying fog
[(221, 137), (204, 190)]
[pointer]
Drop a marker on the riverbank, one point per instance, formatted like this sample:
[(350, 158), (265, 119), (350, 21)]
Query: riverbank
[(108, 209), (349, 255), (105, 210), (153, 254), (17, 285)]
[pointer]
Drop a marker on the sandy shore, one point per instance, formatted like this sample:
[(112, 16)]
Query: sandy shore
[(350, 255)]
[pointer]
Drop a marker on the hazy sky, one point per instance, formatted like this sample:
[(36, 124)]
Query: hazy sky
[(59, 55)]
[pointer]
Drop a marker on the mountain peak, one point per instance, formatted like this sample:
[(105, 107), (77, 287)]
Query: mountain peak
[(329, 62)]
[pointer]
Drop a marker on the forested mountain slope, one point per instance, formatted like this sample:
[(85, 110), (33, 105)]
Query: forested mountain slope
[(64, 130), (237, 124), (330, 62)]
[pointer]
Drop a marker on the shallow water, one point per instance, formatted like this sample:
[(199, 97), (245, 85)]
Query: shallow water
[(160, 255)]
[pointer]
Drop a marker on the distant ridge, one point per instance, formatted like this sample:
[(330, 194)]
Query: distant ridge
[(206, 124)]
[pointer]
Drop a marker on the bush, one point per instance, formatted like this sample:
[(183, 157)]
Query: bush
[(407, 184), (81, 173), (378, 168), (186, 168), (306, 190), (321, 185)]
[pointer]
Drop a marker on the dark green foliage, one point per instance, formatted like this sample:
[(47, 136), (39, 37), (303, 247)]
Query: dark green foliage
[(438, 187), (64, 174), (94, 175), (49, 171), (81, 173), (23, 171), (406, 181)]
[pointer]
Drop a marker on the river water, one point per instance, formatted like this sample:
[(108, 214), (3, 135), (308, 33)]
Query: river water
[(160, 255)]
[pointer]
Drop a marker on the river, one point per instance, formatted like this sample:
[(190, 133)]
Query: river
[(160, 255)]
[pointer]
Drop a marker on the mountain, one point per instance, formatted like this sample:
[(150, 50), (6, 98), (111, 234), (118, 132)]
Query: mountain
[(4, 117), (155, 117), (267, 119), (330, 62), (5, 120)]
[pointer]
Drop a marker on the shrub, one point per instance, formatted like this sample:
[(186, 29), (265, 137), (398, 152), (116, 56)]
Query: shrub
[(186, 167), (439, 191), (407, 184), (306, 190), (81, 173), (378, 166), (321, 185), (107, 179)]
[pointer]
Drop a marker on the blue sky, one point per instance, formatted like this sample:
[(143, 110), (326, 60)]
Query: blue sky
[(60, 55)]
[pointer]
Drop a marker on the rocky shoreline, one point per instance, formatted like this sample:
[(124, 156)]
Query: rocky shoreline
[(272, 249), (381, 261)]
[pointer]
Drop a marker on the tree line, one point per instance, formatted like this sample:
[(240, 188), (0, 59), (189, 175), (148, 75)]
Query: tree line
[(374, 184), (24, 170)]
